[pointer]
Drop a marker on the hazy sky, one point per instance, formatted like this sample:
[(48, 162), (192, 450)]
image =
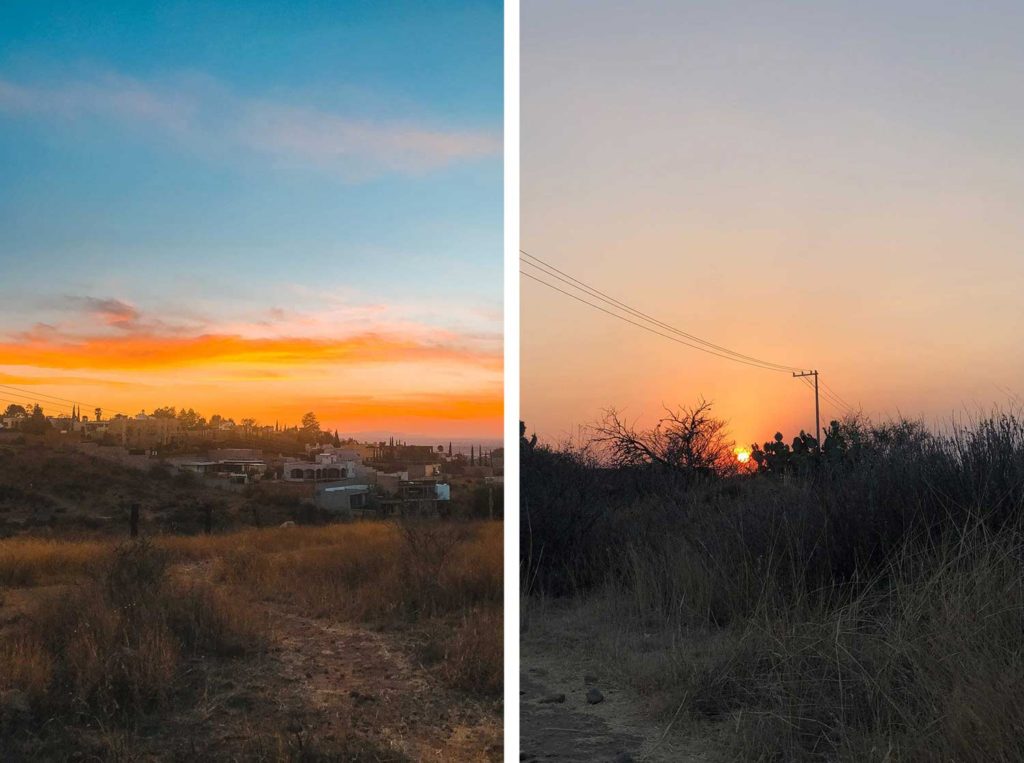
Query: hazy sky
[(831, 185), (255, 209)]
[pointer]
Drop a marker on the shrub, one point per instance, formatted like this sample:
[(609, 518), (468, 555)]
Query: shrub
[(110, 647), (868, 607)]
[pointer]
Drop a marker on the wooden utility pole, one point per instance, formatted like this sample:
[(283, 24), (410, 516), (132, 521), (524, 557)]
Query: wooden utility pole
[(817, 406)]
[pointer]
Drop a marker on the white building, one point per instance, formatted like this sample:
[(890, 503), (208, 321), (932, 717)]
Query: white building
[(338, 465)]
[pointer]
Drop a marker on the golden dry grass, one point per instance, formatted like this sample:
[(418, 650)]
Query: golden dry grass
[(39, 561), (111, 624)]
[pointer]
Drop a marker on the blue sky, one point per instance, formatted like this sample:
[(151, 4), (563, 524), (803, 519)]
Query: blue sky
[(213, 164)]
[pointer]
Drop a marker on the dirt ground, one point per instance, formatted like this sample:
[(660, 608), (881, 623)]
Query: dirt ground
[(342, 691), (323, 690), (559, 723)]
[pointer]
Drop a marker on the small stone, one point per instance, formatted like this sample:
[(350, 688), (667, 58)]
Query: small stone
[(594, 696), (623, 757), (552, 699)]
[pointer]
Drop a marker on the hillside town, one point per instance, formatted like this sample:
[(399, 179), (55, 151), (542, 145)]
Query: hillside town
[(343, 478)]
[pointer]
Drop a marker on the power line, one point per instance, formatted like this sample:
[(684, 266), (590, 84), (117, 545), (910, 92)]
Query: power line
[(27, 404), (36, 395), (840, 399), (52, 397), (703, 345), (646, 328), (836, 403), (607, 299), (841, 407), (30, 399), (822, 393)]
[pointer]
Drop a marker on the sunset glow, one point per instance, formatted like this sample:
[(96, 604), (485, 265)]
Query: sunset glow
[(742, 455), (420, 380), (190, 219), (818, 188)]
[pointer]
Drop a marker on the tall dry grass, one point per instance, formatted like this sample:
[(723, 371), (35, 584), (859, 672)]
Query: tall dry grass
[(109, 647), (28, 562), (113, 623), (866, 610), (446, 576)]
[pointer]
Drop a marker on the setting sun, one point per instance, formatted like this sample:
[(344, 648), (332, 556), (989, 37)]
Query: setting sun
[(742, 455)]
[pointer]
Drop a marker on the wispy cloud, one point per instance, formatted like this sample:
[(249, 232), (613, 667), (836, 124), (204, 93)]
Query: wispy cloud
[(113, 334), (33, 380), (108, 95), (155, 352), (319, 139), (105, 312), (113, 312), (204, 116)]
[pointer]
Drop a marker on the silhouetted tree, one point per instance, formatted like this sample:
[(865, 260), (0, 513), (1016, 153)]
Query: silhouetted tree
[(36, 423), (688, 439), (524, 444), (190, 419), (310, 427)]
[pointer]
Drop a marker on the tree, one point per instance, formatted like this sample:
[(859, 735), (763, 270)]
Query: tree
[(310, 425), (15, 410), (36, 423), (686, 440), (165, 413), (190, 419), (524, 444)]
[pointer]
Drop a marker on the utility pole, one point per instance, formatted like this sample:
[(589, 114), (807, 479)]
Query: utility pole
[(817, 407)]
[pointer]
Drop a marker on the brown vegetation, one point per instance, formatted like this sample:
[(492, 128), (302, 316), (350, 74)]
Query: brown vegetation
[(866, 606), (101, 637)]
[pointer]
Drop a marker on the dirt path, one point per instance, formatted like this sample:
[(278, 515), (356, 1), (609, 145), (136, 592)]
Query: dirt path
[(333, 691), (363, 681), (559, 722)]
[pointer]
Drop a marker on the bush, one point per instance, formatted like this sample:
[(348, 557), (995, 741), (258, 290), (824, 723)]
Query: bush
[(111, 647), (472, 658), (869, 606)]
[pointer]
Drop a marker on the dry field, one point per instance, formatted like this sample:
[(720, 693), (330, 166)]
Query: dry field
[(866, 608), (365, 641)]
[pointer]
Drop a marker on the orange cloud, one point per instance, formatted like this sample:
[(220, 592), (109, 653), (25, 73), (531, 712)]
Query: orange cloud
[(28, 381), (153, 352), (435, 407), (475, 414)]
